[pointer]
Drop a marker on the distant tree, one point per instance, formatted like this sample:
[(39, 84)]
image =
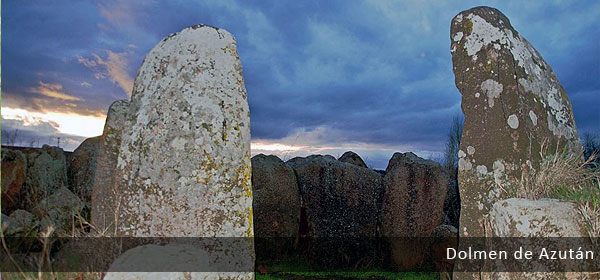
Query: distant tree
[(10, 138), (591, 147), (450, 160)]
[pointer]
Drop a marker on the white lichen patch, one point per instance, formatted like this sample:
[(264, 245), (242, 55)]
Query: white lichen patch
[(470, 150), (482, 169), (513, 121), (457, 36), (498, 169), (492, 89), (533, 117), (482, 34), (459, 18), (464, 164)]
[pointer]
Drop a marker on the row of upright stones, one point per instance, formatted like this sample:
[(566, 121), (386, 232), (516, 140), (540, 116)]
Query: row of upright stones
[(514, 109), (340, 209)]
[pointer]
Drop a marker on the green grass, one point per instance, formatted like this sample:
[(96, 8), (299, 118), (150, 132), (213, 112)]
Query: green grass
[(589, 192), (299, 268)]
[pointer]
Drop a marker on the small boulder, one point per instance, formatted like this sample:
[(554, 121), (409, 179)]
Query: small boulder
[(81, 168), (168, 261), (443, 237), (536, 225), (352, 158), (517, 217), (59, 211), (415, 190), (20, 222), (14, 170)]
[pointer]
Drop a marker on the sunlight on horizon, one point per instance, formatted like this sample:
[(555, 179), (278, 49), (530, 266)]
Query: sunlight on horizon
[(74, 124), (274, 147)]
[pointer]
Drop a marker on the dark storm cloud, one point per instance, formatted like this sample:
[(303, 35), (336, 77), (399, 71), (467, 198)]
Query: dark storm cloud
[(375, 72)]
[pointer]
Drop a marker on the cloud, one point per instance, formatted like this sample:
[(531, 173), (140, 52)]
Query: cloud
[(115, 66), (37, 134), (54, 91), (65, 123)]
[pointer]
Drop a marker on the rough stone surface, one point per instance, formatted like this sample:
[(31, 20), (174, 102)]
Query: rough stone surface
[(168, 258), (443, 237), (81, 168), (512, 100), (59, 211), (14, 170), (105, 198), (20, 222), (46, 173), (276, 204), (341, 200), (516, 217), (184, 160), (183, 168), (352, 158), (415, 190)]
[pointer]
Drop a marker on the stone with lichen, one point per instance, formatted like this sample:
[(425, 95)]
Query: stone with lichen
[(544, 224), (415, 191), (81, 167), (513, 106), (183, 167), (105, 201), (515, 110)]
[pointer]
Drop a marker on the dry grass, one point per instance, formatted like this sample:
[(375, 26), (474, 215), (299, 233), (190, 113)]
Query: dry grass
[(567, 176)]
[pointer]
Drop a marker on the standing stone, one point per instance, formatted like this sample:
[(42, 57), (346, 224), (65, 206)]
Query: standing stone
[(14, 170), (342, 201), (81, 168), (415, 190), (352, 158), (276, 205), (184, 160), (513, 105), (105, 198)]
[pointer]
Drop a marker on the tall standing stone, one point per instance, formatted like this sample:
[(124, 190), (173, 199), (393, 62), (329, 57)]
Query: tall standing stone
[(81, 168), (276, 206), (513, 106), (184, 160), (105, 201), (413, 203), (342, 203)]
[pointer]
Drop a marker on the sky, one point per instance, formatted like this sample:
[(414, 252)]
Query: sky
[(322, 77)]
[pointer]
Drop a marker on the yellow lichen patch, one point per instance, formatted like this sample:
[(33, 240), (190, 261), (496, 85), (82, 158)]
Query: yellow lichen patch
[(250, 231), (469, 27)]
